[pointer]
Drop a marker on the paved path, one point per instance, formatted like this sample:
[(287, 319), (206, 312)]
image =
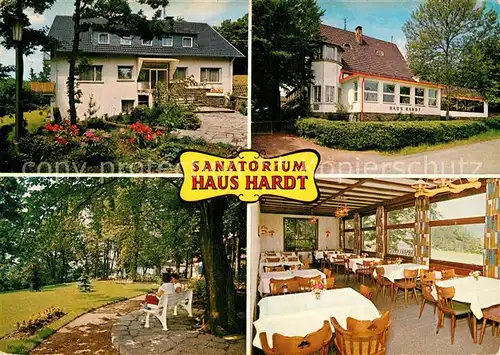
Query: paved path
[(225, 127), (182, 337), (89, 334), (476, 158)]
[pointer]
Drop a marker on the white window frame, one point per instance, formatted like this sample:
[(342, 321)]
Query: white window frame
[(368, 92), (404, 95), (126, 41), (432, 98), (191, 39), (99, 38), (317, 94), (419, 97), (94, 74), (329, 93), (125, 66), (388, 93), (171, 41), (210, 69), (145, 44), (356, 91)]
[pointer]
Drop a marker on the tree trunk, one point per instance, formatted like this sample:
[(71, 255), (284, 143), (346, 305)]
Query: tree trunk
[(19, 127), (72, 62), (221, 313)]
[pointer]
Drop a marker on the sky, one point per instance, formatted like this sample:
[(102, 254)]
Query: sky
[(382, 19), (212, 12)]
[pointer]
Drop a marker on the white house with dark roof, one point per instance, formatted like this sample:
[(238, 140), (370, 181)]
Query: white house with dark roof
[(123, 72), (370, 77)]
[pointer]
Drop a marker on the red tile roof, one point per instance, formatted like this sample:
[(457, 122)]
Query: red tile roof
[(364, 58)]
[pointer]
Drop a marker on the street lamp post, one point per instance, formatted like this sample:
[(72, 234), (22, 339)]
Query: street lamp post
[(17, 36)]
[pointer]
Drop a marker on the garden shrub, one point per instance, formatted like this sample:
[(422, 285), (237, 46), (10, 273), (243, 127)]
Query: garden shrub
[(140, 114), (493, 122), (388, 136)]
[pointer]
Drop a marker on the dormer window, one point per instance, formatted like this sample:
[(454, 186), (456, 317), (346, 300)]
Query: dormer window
[(147, 42), (167, 41), (187, 42), (346, 45), (126, 41), (103, 38)]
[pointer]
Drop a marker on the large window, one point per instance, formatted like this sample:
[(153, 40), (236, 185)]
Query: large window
[(180, 73), (404, 95), (419, 97), (401, 231), (432, 97), (210, 75), (300, 234), (167, 41), (355, 92), (317, 93), (369, 233), (329, 93), (349, 234), (371, 91), (90, 73), (328, 53), (389, 93), (457, 229)]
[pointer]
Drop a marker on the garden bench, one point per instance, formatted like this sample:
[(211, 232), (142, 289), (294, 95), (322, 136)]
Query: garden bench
[(183, 299)]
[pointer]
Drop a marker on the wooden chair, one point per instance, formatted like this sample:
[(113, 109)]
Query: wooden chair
[(362, 337), (273, 260), (305, 261), (427, 281), (338, 262), (408, 283), (292, 258), (274, 268), (312, 343), (327, 272), (348, 271), (366, 291), (448, 274), (382, 282), (330, 283), (493, 314), (288, 253), (446, 305), (305, 282), (363, 270), (279, 287)]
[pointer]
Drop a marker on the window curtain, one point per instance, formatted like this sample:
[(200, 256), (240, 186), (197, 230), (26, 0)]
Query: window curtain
[(357, 234), (422, 230), (492, 230), (381, 234), (341, 234)]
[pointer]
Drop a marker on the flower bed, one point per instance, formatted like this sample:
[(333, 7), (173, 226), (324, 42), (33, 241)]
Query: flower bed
[(390, 136)]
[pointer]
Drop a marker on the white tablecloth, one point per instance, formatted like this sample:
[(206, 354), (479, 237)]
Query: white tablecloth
[(482, 293), (318, 254), (283, 275), (353, 263), (395, 272), (299, 314), (339, 255)]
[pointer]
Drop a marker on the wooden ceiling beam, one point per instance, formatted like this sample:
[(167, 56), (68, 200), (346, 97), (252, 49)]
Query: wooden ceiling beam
[(338, 194)]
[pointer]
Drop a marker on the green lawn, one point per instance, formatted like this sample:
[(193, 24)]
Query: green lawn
[(35, 119), (17, 306), (488, 136)]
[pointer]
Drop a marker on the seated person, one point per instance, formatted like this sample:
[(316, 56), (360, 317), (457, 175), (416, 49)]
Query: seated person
[(170, 285)]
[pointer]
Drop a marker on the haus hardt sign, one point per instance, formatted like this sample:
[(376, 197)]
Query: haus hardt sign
[(249, 176), (405, 108)]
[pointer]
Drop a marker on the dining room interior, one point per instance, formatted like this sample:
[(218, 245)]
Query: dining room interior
[(378, 266)]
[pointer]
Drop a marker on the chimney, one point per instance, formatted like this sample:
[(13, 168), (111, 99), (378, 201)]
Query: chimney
[(359, 35)]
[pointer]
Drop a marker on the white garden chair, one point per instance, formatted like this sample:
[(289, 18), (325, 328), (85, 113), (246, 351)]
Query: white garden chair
[(183, 299)]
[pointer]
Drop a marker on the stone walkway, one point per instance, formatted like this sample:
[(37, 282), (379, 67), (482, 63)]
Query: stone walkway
[(476, 158), (183, 337), (222, 126)]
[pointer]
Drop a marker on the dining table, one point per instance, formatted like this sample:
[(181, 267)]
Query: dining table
[(299, 314), (394, 272), (266, 277), (480, 293), (283, 262)]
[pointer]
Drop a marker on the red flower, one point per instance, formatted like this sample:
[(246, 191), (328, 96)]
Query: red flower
[(159, 133), (61, 140), (132, 140), (89, 134), (148, 137)]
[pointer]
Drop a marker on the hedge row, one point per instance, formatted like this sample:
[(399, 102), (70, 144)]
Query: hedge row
[(390, 136)]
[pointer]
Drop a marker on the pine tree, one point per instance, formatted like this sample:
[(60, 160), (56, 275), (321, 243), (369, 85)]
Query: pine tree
[(85, 284)]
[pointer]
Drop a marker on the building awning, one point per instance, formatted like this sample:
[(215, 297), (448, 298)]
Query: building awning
[(171, 63)]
